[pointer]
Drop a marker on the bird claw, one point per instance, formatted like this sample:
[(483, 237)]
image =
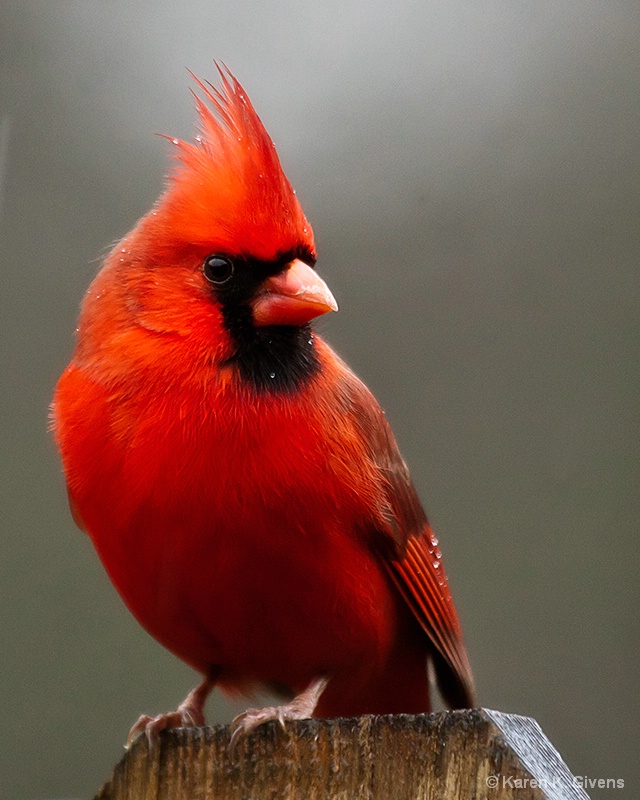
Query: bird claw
[(189, 714), (252, 718), (301, 707), (185, 716)]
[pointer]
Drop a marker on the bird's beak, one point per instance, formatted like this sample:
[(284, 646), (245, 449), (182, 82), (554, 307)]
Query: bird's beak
[(292, 297)]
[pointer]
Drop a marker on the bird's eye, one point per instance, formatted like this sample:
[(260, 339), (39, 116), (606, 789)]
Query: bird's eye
[(218, 269)]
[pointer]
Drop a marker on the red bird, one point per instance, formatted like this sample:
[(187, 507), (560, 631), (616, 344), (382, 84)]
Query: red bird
[(240, 484)]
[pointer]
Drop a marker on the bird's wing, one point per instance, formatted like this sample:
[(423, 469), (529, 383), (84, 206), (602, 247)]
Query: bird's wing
[(409, 549)]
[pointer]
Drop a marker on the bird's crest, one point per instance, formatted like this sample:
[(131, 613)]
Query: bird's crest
[(229, 190)]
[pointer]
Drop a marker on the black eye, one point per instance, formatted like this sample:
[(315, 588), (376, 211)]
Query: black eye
[(218, 269)]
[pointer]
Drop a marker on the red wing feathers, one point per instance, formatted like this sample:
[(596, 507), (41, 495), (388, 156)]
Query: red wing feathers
[(410, 552)]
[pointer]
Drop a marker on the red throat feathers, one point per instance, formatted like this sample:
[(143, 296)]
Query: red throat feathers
[(241, 485)]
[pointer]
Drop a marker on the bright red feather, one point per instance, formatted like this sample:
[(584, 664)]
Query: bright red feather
[(266, 537)]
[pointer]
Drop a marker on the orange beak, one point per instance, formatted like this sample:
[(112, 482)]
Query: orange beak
[(293, 297)]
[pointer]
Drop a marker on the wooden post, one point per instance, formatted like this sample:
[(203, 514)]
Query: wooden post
[(455, 755)]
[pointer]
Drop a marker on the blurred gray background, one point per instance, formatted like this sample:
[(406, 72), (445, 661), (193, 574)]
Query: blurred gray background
[(472, 174)]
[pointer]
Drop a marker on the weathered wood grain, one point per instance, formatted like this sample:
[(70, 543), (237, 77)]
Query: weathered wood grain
[(444, 756)]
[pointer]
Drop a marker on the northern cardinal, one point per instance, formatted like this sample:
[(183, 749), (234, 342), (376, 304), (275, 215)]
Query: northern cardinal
[(241, 485)]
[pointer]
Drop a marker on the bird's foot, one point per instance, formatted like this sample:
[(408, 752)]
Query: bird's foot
[(190, 713), (301, 707)]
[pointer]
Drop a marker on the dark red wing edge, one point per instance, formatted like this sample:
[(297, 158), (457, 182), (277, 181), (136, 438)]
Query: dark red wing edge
[(410, 552), (426, 591)]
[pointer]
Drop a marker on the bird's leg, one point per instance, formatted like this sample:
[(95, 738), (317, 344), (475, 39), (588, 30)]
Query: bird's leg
[(301, 707), (190, 713)]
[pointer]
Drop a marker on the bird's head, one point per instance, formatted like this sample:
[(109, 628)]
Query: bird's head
[(226, 255), (230, 210)]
